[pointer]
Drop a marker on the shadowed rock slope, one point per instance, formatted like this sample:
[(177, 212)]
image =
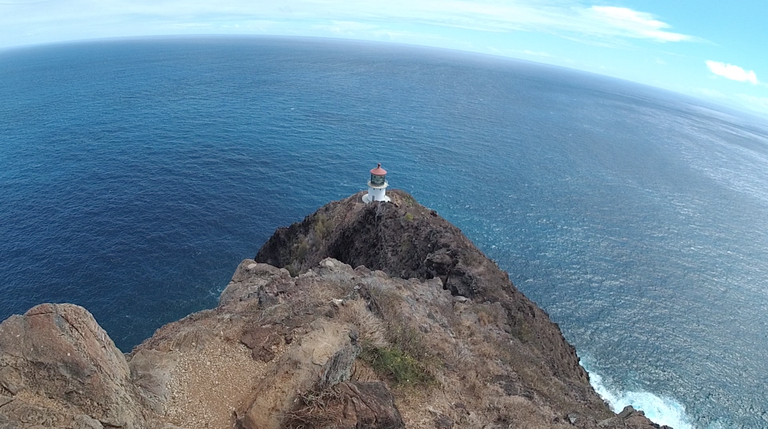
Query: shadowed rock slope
[(417, 329), (406, 240)]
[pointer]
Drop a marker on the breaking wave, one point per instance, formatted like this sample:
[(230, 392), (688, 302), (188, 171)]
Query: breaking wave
[(661, 409)]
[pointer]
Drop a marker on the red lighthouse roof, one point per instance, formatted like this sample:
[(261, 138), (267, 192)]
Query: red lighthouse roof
[(379, 171)]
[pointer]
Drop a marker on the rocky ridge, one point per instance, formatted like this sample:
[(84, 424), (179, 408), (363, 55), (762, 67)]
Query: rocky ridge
[(379, 315)]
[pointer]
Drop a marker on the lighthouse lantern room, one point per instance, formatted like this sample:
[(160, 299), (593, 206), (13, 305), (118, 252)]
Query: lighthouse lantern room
[(377, 186)]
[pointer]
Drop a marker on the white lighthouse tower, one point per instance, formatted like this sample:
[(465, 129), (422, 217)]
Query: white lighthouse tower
[(377, 186)]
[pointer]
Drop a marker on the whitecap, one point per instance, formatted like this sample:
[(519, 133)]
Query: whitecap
[(663, 410)]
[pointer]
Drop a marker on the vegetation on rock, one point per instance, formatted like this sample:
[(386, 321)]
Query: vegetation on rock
[(358, 316)]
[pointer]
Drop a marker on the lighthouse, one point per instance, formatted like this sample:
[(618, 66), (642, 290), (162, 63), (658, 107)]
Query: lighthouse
[(377, 186)]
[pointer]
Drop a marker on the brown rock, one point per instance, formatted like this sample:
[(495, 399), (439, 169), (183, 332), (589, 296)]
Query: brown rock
[(629, 418), (442, 421), (64, 371), (316, 360), (348, 405), (406, 240), (262, 340), (253, 280), (151, 371), (453, 345)]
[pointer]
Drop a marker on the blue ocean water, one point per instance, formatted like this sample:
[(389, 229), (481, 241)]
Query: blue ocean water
[(136, 175)]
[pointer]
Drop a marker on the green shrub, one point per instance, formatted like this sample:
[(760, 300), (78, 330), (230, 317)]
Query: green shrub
[(323, 226), (397, 366), (407, 360), (302, 249), (523, 332)]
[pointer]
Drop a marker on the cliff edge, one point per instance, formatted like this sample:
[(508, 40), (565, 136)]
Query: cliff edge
[(378, 315)]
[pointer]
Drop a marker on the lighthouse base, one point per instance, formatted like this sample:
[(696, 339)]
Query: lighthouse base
[(367, 199), (376, 192), (375, 195)]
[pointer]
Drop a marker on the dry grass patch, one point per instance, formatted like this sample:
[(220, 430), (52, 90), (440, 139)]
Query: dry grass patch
[(406, 360), (370, 328)]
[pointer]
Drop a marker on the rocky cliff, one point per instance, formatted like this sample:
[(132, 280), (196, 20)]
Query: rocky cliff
[(379, 315)]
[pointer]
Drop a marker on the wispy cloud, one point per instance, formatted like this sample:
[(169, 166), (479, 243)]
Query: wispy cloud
[(68, 19), (635, 24), (537, 53), (569, 17), (346, 27), (732, 72)]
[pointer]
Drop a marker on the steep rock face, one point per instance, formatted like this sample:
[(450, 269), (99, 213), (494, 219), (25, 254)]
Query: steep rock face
[(58, 368), (407, 240), (273, 343), (454, 345)]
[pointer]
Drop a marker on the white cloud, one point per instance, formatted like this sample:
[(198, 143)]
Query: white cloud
[(561, 17), (732, 72), (537, 53), (632, 23), (73, 19), (346, 27)]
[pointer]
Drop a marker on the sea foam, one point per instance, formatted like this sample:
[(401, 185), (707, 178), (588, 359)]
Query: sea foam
[(660, 409), (137, 174)]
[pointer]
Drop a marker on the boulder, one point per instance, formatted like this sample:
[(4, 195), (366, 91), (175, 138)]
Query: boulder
[(61, 369), (384, 315), (630, 418)]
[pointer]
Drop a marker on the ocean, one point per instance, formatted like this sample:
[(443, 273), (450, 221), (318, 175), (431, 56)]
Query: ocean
[(136, 174)]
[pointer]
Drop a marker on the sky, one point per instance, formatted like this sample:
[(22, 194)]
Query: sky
[(711, 49)]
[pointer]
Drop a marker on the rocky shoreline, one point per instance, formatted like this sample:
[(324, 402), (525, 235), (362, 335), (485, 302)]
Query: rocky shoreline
[(378, 315)]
